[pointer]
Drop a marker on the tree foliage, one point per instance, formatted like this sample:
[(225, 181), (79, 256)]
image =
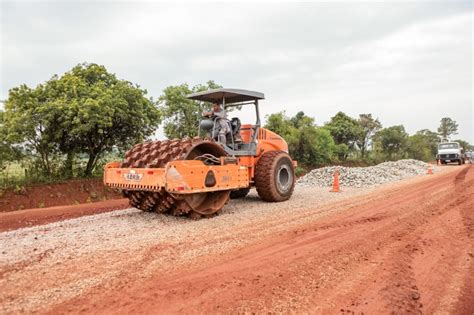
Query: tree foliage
[(464, 144), (280, 124), (431, 139), (181, 115), (447, 128), (27, 121), (345, 131), (87, 110), (8, 153), (309, 144), (301, 120), (312, 145), (391, 141), (423, 145), (369, 127)]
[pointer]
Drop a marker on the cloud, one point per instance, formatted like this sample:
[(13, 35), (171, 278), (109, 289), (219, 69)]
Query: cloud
[(407, 63)]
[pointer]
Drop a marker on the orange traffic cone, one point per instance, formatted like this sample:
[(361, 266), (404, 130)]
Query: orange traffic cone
[(335, 183), (430, 171)]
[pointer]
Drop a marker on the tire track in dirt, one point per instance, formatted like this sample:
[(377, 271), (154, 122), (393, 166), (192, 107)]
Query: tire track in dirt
[(465, 304), (17, 267), (365, 259), (31, 217), (401, 292)]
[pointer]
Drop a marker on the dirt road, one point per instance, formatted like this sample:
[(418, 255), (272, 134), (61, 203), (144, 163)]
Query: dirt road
[(405, 247), (30, 217)]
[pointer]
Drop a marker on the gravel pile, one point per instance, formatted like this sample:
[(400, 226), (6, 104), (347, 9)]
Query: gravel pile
[(364, 176)]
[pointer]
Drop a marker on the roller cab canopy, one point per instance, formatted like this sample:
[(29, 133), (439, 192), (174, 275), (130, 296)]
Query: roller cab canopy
[(231, 96)]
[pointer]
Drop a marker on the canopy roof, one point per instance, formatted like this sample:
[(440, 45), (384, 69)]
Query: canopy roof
[(231, 96)]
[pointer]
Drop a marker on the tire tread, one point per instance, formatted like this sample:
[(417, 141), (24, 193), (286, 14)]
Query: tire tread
[(264, 183)]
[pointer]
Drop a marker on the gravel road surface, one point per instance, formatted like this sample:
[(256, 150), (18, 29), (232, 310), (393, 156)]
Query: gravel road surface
[(401, 247)]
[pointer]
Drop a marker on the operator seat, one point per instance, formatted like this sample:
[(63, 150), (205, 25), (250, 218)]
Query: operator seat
[(235, 129), (233, 134)]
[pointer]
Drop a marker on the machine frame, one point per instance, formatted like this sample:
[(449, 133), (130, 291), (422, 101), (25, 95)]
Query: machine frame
[(235, 98), (203, 184)]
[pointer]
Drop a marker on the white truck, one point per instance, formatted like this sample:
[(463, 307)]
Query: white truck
[(450, 152), (470, 156)]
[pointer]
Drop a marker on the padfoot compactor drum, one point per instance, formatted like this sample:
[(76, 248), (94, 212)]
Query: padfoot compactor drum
[(197, 177)]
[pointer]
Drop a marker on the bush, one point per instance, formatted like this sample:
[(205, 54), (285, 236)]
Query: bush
[(19, 190), (341, 151), (312, 146), (299, 171), (391, 142)]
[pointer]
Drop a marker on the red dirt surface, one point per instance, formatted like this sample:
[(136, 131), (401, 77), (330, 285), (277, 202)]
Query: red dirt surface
[(30, 217), (50, 195), (407, 249), (403, 248)]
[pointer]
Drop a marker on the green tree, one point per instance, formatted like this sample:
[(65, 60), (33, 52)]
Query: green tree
[(369, 127), (280, 124), (423, 145), (431, 139), (308, 144), (391, 141), (464, 144), (301, 120), (106, 112), (8, 153), (26, 122), (344, 130), (341, 150), (447, 128), (312, 145), (181, 115), (87, 110)]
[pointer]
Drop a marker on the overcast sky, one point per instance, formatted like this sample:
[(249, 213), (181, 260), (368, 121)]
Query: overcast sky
[(406, 63)]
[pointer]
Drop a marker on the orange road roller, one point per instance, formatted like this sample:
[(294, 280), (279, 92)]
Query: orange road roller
[(197, 176)]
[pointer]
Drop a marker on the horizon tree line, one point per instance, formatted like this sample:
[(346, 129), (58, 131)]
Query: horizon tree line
[(67, 126)]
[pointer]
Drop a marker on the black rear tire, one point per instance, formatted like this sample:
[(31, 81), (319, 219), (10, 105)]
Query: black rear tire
[(275, 176)]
